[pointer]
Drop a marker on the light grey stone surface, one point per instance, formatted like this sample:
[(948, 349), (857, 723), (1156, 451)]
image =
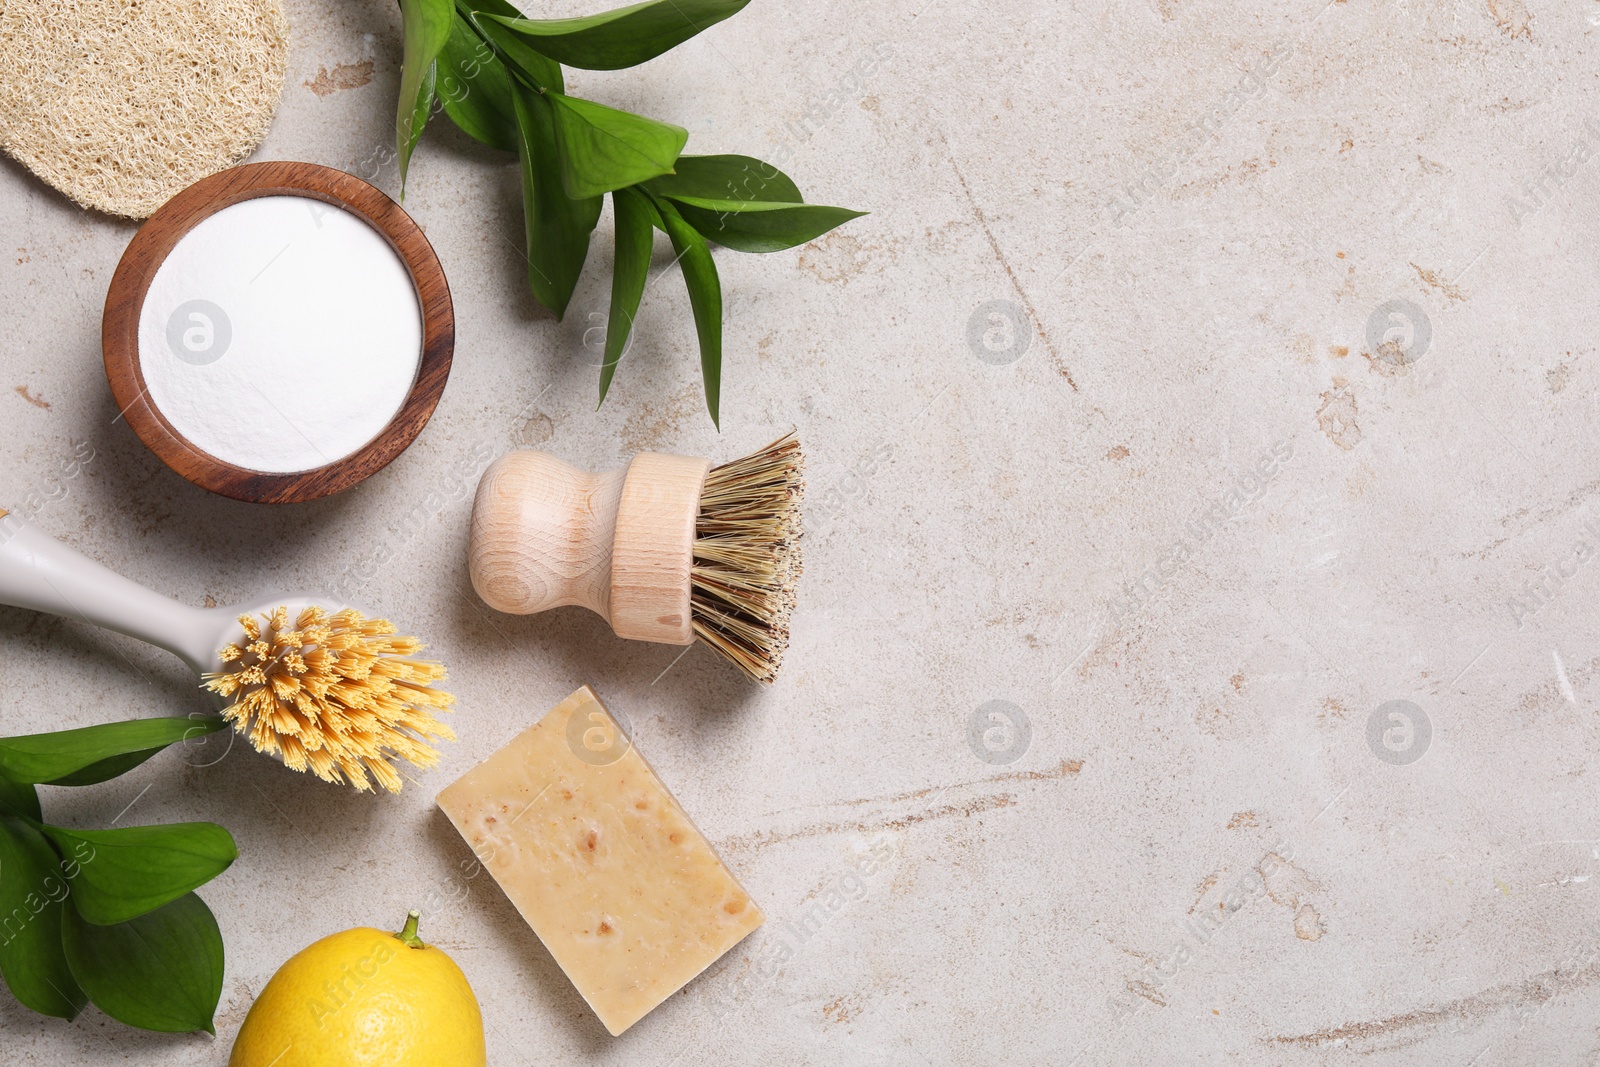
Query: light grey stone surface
[(1199, 856)]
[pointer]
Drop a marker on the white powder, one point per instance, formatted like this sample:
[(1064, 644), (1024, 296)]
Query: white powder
[(280, 335)]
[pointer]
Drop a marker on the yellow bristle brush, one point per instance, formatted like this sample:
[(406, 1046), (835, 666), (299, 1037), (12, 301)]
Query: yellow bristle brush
[(315, 684), (666, 549)]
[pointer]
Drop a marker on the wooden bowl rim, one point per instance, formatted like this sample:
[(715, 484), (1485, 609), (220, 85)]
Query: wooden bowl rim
[(154, 242)]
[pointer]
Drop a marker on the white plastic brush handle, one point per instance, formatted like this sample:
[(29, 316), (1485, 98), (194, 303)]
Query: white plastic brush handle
[(40, 573)]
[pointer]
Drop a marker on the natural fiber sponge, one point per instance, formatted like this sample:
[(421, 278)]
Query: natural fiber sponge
[(122, 103)]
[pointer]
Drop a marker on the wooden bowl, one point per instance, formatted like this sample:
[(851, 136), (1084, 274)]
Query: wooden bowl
[(119, 332)]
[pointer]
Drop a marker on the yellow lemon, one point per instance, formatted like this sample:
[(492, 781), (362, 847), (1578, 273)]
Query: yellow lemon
[(364, 998)]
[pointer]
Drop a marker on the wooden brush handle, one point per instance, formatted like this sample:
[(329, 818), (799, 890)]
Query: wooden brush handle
[(546, 534)]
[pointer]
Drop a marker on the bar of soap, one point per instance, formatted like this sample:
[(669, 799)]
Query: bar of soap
[(596, 854)]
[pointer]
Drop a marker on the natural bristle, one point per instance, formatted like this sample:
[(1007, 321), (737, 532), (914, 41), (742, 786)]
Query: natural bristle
[(747, 557), (338, 695)]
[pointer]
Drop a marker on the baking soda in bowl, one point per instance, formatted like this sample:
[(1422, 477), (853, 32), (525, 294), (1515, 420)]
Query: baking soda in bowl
[(281, 334)]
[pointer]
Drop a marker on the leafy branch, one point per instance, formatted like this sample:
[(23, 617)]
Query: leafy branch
[(108, 916), (498, 75)]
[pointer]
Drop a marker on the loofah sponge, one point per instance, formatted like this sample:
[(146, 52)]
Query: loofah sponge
[(121, 103)]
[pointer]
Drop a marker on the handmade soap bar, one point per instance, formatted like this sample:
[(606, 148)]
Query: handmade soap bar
[(600, 860)]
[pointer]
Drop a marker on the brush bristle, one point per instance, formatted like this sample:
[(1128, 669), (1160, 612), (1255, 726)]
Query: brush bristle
[(747, 557), (336, 694)]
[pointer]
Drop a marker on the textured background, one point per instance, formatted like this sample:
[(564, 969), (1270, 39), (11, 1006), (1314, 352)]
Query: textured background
[(1118, 256)]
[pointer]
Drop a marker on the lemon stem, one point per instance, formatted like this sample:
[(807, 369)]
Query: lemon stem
[(409, 934)]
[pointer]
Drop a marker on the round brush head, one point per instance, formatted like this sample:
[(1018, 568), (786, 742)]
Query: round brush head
[(747, 557), (334, 693), (666, 549)]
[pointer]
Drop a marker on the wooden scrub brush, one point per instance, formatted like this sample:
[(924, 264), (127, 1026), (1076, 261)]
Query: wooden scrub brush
[(304, 679), (666, 549)]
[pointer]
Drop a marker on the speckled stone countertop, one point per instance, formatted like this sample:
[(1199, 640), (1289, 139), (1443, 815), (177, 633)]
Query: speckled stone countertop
[(1198, 626)]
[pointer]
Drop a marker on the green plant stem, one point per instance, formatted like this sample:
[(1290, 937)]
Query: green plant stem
[(574, 151), (409, 934)]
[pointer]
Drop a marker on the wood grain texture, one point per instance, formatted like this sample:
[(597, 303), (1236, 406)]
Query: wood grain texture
[(654, 548), (155, 241), (541, 535), (546, 534)]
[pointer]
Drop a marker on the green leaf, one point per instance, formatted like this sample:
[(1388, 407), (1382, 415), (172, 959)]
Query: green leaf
[(604, 149), (19, 798), (419, 120), (123, 874), (426, 29), (557, 226), (626, 36), (727, 177), (32, 891), (754, 227), (705, 296), (95, 753), (476, 89), (161, 971), (629, 268), (106, 769), (470, 8), (535, 70)]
